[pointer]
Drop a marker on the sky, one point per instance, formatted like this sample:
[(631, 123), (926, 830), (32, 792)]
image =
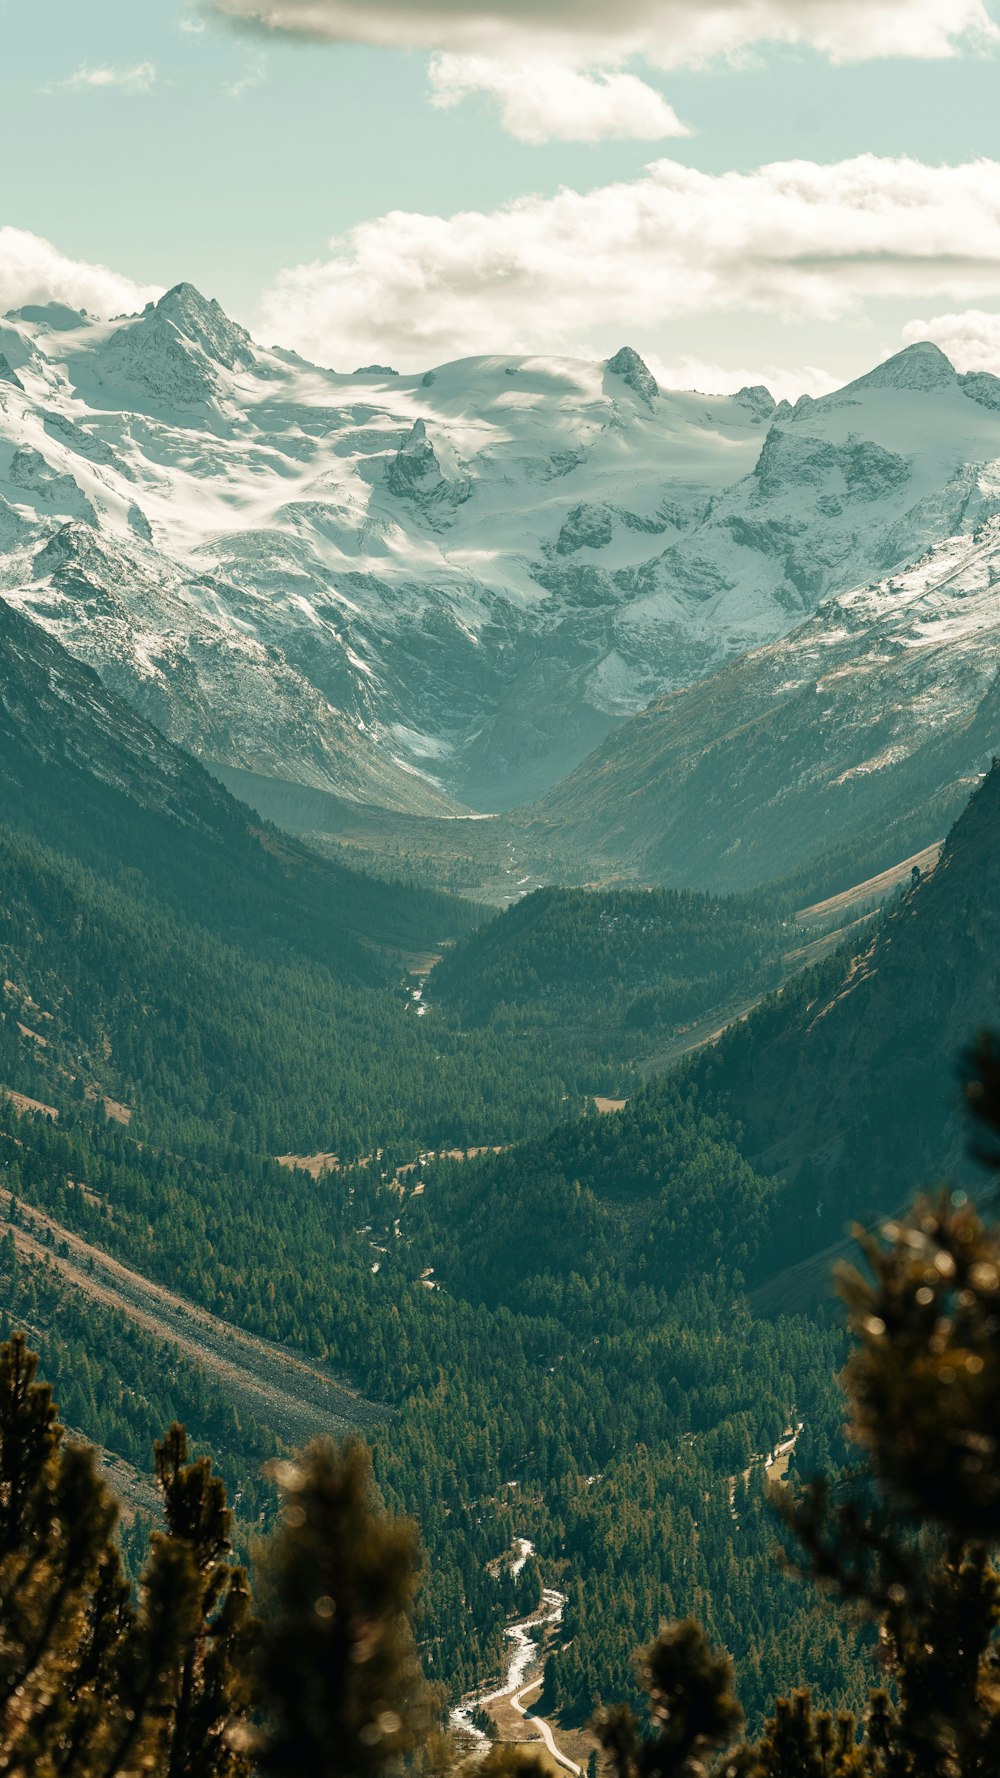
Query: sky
[(783, 191)]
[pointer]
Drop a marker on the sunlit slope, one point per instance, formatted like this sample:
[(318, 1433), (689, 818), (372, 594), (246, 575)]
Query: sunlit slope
[(407, 590), (861, 733)]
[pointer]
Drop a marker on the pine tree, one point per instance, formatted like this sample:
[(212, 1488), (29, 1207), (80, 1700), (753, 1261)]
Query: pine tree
[(341, 1680), (207, 1734), (83, 1678), (692, 1709), (910, 1540), (802, 1743)]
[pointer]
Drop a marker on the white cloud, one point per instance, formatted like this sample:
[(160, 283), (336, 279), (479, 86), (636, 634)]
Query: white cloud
[(717, 379), (139, 77), (793, 238), (545, 101), (970, 339), (672, 33), (33, 271)]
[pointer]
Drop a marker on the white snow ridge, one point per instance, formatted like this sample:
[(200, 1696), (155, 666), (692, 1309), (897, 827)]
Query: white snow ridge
[(442, 590)]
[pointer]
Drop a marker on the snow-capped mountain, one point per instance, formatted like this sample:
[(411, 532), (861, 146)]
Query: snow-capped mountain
[(414, 589), (866, 726)]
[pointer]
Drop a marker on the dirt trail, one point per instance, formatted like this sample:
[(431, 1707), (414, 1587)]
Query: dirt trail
[(281, 1389)]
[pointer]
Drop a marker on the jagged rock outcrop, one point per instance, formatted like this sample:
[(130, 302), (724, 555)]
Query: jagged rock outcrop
[(451, 584), (8, 374), (627, 364), (757, 400), (174, 351)]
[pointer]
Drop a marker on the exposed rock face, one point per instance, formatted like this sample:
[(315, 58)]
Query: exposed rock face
[(176, 349), (757, 400), (454, 585), (870, 721), (32, 472), (8, 374), (415, 468), (858, 467), (981, 386), (206, 324), (586, 526), (627, 364), (921, 367), (416, 474)]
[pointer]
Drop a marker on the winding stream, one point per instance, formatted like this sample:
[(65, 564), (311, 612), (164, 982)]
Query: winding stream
[(526, 1639)]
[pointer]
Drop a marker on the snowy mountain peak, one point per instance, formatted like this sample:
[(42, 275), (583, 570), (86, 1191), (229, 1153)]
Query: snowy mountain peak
[(922, 366), (627, 364), (391, 587), (415, 467), (173, 357), (8, 374), (204, 321), (758, 401)]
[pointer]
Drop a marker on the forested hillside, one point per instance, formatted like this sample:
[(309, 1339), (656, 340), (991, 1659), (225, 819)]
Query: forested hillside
[(554, 1407), (849, 1083), (836, 1093), (207, 1042), (165, 950), (559, 1335), (617, 963), (84, 774)]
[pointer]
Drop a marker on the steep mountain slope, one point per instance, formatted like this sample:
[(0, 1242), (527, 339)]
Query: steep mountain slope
[(862, 731), (83, 773), (840, 1094), (849, 1084), (407, 589)]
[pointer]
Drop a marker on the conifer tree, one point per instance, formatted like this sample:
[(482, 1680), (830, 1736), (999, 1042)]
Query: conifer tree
[(84, 1679), (341, 1680), (911, 1539), (207, 1735), (693, 1712)]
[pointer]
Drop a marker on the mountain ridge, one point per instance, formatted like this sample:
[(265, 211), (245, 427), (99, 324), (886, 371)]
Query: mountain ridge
[(874, 717), (442, 590)]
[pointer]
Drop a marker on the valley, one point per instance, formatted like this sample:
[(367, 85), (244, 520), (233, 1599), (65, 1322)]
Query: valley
[(427, 597), (467, 843)]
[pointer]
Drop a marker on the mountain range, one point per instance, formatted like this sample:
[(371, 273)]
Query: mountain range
[(437, 592), (849, 743), (281, 1090)]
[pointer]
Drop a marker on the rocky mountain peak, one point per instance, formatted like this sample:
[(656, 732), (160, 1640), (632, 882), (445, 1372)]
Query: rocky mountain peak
[(204, 321), (415, 468), (922, 366), (175, 350), (982, 386), (627, 364), (758, 401)]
